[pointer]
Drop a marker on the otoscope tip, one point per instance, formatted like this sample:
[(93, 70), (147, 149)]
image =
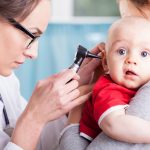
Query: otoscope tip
[(89, 54)]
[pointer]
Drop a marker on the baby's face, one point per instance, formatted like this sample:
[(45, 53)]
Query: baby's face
[(128, 55)]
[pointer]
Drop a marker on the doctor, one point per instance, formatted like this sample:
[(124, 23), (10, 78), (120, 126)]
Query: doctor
[(22, 22)]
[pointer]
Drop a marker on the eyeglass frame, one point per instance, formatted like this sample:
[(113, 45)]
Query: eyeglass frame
[(23, 29)]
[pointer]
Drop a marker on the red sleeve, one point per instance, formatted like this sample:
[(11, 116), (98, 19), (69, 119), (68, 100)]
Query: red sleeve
[(108, 96), (88, 125), (107, 99)]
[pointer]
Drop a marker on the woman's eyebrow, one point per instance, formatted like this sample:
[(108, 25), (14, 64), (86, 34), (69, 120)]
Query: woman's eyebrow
[(38, 30)]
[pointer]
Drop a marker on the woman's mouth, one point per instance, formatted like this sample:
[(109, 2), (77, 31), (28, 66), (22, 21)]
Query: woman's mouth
[(19, 63), (16, 64)]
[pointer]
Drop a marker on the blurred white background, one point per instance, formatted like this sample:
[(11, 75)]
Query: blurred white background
[(84, 10)]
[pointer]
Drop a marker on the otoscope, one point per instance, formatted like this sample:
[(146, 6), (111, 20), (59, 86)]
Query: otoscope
[(81, 54)]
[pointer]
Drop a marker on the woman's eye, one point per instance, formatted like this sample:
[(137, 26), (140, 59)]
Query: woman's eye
[(35, 33), (122, 51), (144, 53)]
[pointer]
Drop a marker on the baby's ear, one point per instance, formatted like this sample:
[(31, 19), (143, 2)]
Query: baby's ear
[(104, 62)]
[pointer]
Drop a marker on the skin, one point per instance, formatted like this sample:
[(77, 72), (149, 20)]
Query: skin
[(128, 54), (52, 97), (127, 61), (13, 41), (128, 8)]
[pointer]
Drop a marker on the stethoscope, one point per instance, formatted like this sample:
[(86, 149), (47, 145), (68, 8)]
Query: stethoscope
[(4, 112), (7, 129)]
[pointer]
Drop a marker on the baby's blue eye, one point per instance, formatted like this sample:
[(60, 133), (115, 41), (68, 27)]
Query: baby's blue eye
[(144, 54), (122, 51)]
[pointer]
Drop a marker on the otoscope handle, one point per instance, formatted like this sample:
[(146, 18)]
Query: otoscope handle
[(81, 54), (75, 67)]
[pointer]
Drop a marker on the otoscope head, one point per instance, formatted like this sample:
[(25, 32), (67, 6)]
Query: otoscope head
[(83, 52), (80, 55)]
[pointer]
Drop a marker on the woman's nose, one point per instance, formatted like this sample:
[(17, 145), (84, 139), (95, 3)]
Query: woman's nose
[(31, 52)]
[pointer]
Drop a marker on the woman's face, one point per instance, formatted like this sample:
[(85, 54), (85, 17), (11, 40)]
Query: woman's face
[(128, 8), (13, 51)]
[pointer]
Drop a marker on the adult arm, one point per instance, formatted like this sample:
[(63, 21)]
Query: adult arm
[(51, 93), (4, 138), (14, 105), (51, 99), (60, 93), (71, 140)]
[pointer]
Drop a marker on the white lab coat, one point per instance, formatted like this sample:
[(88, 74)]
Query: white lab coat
[(15, 104)]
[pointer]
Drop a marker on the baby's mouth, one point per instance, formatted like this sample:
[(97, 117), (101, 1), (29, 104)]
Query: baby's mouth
[(130, 73)]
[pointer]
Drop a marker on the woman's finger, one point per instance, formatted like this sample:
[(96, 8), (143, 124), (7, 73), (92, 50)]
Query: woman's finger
[(81, 91), (65, 76), (70, 86), (91, 66), (80, 100), (70, 97), (96, 50), (69, 106), (86, 72)]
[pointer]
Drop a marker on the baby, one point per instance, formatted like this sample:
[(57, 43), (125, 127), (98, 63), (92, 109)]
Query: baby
[(127, 63)]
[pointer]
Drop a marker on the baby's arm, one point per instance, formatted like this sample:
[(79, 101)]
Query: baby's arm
[(126, 128), (139, 107), (136, 125), (131, 128)]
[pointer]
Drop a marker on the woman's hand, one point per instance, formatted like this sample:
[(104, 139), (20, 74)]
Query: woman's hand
[(54, 96), (75, 113), (92, 66), (89, 72), (51, 98)]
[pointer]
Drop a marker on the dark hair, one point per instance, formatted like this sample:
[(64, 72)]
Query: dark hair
[(17, 8), (140, 2)]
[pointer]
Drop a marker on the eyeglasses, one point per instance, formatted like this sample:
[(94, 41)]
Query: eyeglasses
[(23, 29)]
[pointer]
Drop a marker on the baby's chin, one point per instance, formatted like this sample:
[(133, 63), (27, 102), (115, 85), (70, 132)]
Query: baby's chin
[(131, 85)]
